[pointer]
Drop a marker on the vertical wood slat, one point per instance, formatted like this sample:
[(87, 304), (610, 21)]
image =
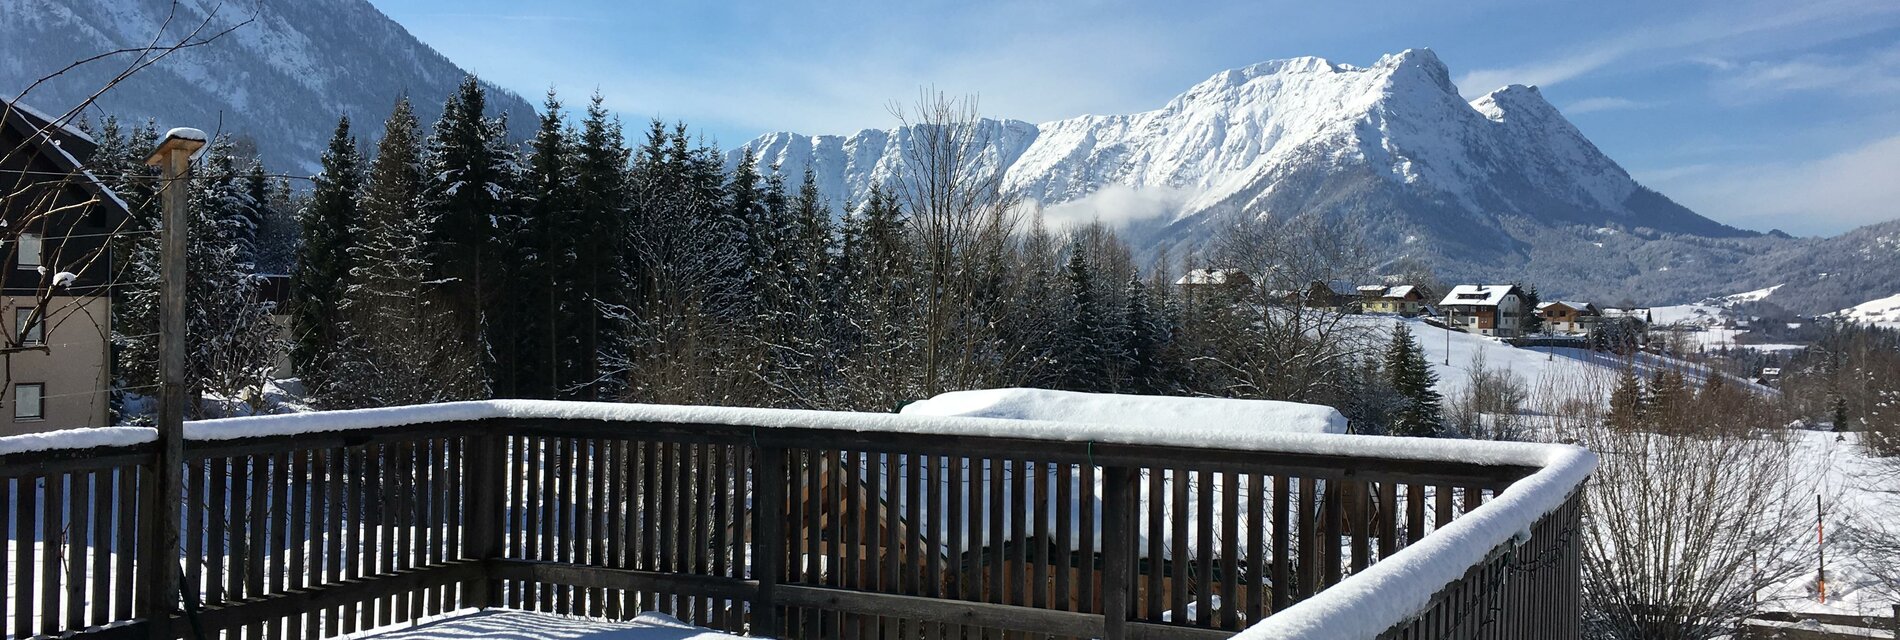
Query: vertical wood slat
[(1308, 536), (52, 523), (1331, 518), (852, 502), (1087, 499), (297, 510), (1204, 550), (768, 475), (257, 539), (1282, 542), (1064, 541), (996, 545), (1230, 597), (102, 528), (1358, 520), (1256, 547), (1157, 526), (127, 493), (1120, 503), (78, 537), (10, 487), (1179, 558), (25, 503)]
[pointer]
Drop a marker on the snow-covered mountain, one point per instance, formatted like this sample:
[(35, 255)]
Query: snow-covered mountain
[(1503, 186), (282, 80)]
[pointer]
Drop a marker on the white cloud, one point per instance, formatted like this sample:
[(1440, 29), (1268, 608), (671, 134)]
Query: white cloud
[(1822, 196), (1606, 103), (1116, 206)]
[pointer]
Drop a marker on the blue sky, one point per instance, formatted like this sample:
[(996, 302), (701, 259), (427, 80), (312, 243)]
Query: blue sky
[(1759, 114)]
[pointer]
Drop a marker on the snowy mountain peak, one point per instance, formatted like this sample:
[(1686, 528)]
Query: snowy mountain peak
[(1391, 147), (1422, 62)]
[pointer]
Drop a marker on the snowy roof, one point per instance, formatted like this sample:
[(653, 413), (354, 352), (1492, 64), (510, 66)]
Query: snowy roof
[(1212, 276), (1479, 295), (1578, 306), (1400, 291), (1372, 288), (1133, 410)]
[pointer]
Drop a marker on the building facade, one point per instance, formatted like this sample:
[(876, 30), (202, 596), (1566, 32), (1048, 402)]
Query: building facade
[(1485, 309), (56, 290)]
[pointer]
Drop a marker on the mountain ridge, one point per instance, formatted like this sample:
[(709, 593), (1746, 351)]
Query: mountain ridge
[(1500, 184), (281, 80)]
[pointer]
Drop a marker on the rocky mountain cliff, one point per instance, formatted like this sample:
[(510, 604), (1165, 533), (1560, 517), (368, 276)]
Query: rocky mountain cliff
[(282, 80), (1498, 188)]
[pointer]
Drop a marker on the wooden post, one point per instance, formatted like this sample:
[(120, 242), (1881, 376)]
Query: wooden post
[(158, 562), (1120, 502), (768, 536), (483, 509)]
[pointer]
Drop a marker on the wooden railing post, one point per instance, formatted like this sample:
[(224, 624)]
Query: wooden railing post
[(1120, 502), (486, 471), (160, 582), (768, 536)]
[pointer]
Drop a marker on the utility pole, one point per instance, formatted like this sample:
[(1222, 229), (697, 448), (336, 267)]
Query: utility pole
[(161, 582)]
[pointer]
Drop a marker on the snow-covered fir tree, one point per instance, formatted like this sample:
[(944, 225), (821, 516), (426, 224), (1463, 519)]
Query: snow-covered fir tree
[(325, 260)]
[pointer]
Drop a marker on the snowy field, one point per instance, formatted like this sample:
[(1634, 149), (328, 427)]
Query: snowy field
[(1884, 312), (1853, 491)]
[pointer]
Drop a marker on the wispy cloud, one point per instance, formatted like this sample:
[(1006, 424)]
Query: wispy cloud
[(1822, 196), (1604, 103), (1876, 73), (1731, 30)]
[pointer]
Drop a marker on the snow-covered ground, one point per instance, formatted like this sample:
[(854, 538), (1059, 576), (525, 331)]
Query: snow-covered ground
[(1854, 489), (524, 625), (1883, 312), (1556, 372)]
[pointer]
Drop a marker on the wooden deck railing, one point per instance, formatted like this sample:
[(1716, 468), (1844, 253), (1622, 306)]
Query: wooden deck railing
[(806, 531)]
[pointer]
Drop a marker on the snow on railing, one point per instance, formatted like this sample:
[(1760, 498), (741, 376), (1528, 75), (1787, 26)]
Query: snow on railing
[(1369, 602)]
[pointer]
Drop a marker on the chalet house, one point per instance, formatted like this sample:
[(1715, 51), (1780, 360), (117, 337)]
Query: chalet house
[(1404, 300), (1567, 317), (57, 297), (1215, 280), (1485, 309), (1333, 296)]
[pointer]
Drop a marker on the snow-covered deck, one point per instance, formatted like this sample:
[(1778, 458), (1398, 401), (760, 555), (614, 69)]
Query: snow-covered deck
[(527, 625), (727, 517)]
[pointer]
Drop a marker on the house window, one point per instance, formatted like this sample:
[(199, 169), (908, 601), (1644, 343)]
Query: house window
[(27, 403), (29, 251), (29, 328)]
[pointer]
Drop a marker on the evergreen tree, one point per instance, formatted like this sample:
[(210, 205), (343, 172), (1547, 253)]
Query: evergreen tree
[(469, 197), (1626, 402), (324, 261), (398, 352), (233, 343), (603, 263), (1143, 341), (544, 251), (1414, 381), (1082, 351), (1533, 322)]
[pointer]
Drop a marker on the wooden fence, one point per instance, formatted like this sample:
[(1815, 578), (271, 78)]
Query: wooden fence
[(772, 531)]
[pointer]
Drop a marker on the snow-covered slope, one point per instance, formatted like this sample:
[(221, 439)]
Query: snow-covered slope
[(1393, 148), (1883, 312), (281, 80)]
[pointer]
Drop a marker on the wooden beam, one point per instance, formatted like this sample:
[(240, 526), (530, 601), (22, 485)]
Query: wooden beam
[(252, 611), (623, 579), (960, 612)]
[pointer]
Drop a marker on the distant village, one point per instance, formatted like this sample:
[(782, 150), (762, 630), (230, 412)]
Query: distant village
[(1496, 310)]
